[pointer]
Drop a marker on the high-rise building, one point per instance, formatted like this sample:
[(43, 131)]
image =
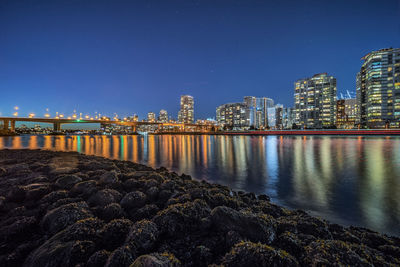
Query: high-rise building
[(233, 115), (163, 116), (151, 117), (315, 101), (378, 89), (346, 113), (186, 112), (287, 118), (258, 110)]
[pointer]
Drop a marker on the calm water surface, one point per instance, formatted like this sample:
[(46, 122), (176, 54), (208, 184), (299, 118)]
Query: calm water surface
[(348, 180)]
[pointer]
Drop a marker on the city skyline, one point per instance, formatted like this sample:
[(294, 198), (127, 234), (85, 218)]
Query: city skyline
[(70, 53)]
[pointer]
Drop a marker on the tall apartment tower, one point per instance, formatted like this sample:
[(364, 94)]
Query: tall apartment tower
[(163, 116), (378, 89), (315, 101), (258, 110), (186, 112)]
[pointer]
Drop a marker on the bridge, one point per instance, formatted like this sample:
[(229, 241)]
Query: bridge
[(9, 123)]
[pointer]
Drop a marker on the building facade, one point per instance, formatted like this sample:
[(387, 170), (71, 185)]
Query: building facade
[(151, 117), (315, 101), (287, 118), (233, 116), (378, 89), (346, 113), (186, 112), (258, 110), (163, 116)]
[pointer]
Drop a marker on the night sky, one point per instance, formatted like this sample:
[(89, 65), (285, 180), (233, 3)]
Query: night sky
[(139, 56)]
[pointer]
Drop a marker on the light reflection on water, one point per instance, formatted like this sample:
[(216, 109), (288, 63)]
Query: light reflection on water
[(350, 180)]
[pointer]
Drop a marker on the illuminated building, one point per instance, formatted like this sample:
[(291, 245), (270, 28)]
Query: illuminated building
[(315, 101), (346, 113), (233, 116), (163, 116), (378, 89), (271, 117), (258, 110), (151, 117), (186, 112), (287, 118)]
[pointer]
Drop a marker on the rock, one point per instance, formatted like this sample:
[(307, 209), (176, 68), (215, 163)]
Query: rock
[(86, 188), (99, 258), (3, 172), (161, 217), (36, 191), (67, 181), (16, 194), (248, 225), (114, 233), (179, 219), (63, 170), (2, 203), (202, 255), (109, 177), (62, 202), (291, 243), (142, 235), (59, 218), (131, 184), (152, 193), (256, 254), (112, 211), (18, 169), (332, 253), (63, 254), (132, 200), (104, 197), (18, 227), (264, 197), (156, 260), (54, 196), (121, 257), (146, 212)]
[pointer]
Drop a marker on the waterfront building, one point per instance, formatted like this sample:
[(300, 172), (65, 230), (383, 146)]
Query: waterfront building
[(233, 116), (287, 118), (271, 113), (258, 110), (186, 112), (278, 116), (378, 89), (163, 116), (315, 101), (346, 113), (151, 117)]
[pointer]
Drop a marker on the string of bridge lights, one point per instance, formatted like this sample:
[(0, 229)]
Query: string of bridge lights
[(75, 115)]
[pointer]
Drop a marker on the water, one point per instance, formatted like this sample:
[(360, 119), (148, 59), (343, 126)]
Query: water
[(348, 180)]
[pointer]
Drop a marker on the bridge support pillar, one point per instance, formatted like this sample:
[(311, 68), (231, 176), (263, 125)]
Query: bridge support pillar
[(134, 129), (57, 127), (12, 126), (5, 125)]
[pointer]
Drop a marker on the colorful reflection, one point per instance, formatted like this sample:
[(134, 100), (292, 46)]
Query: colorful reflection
[(350, 180)]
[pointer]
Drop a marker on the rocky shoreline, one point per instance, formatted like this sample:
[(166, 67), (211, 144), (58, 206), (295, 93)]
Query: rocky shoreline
[(68, 209)]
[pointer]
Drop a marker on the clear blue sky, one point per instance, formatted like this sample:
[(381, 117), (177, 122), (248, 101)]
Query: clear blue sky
[(139, 56)]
